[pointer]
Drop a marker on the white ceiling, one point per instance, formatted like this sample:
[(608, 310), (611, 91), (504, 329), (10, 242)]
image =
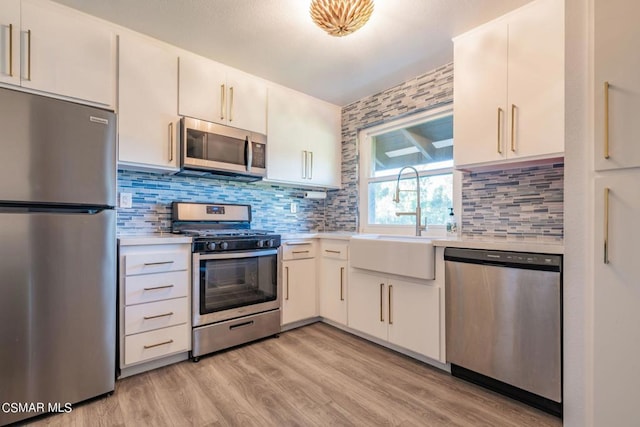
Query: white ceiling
[(276, 39)]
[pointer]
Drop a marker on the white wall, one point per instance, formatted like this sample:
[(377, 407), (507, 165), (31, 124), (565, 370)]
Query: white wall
[(578, 276)]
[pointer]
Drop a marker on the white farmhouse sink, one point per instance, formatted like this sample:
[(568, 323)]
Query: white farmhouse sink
[(409, 256)]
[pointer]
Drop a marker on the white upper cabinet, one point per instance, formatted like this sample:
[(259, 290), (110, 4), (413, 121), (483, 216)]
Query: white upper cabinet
[(617, 87), (304, 145), (147, 104), (10, 41), (509, 88), (54, 49), (214, 92)]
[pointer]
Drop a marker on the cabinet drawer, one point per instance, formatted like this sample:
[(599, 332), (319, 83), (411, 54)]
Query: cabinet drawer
[(298, 250), (155, 287), (158, 343), (155, 262), (155, 315), (335, 250)]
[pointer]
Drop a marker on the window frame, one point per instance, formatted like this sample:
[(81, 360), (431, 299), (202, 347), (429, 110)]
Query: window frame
[(365, 163)]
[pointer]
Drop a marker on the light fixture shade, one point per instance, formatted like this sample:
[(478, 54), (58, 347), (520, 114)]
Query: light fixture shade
[(341, 17)]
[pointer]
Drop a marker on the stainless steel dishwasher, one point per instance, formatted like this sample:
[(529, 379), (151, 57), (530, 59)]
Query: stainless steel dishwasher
[(504, 323)]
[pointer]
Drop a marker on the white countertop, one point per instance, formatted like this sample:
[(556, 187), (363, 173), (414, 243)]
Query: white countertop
[(338, 235), (543, 245), (152, 239)]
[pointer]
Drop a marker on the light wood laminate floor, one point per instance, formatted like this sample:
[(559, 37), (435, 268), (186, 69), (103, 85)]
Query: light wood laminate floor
[(312, 376)]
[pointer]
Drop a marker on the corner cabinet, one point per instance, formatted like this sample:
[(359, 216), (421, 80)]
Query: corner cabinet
[(333, 280), (299, 299), (154, 303), (54, 49), (216, 93), (402, 311), (304, 142), (148, 118), (509, 88)]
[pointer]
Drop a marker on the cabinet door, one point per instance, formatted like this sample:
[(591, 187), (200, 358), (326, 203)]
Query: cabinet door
[(322, 133), (414, 316), (616, 61), (246, 102), (203, 89), (616, 298), (536, 81), (70, 53), (147, 103), (333, 290), (367, 303), (299, 290), (286, 132), (480, 95), (10, 41)]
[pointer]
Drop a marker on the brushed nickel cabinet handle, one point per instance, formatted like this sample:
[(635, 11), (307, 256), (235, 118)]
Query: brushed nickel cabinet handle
[(310, 163), (231, 103), (606, 225), (297, 243), (499, 130), (146, 347), (223, 100), (341, 283), (606, 120), (155, 288), (149, 264), (390, 318), (171, 141), (513, 128), (10, 50), (299, 252), (381, 298), (286, 297), (158, 316), (330, 251)]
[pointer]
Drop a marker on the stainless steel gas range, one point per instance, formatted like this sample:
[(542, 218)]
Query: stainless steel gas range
[(236, 296)]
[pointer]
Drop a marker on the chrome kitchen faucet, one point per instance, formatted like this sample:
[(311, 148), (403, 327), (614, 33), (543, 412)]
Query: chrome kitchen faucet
[(418, 211)]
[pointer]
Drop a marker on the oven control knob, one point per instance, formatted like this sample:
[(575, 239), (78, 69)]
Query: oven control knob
[(211, 246), (261, 243), (223, 245), (270, 243)]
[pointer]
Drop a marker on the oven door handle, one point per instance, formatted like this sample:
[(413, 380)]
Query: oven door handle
[(236, 255)]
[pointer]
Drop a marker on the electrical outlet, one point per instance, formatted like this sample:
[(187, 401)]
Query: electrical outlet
[(294, 207), (126, 200)]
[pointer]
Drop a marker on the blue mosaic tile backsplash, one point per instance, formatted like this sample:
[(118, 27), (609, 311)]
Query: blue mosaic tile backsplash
[(270, 204), (523, 202)]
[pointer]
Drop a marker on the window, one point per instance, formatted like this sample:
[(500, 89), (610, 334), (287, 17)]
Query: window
[(423, 142)]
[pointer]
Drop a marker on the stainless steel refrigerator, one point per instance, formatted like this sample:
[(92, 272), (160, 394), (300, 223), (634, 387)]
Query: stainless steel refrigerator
[(57, 254)]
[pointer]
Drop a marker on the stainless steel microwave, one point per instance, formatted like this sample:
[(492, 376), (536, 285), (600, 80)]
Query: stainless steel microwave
[(218, 151)]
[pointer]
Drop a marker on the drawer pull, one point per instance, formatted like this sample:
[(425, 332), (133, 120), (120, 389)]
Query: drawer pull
[(158, 315), (606, 120), (155, 288), (381, 298), (149, 264), (10, 50), (300, 252), (146, 347), (389, 301), (241, 325), (332, 251)]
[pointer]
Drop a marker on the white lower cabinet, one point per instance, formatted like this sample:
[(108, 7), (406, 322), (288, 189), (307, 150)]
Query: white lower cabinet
[(154, 302), (299, 293), (332, 280), (403, 311)]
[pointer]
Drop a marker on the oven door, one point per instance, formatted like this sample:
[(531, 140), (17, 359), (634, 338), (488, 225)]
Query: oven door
[(235, 284)]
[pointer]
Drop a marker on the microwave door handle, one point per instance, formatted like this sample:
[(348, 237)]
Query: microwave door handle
[(248, 153)]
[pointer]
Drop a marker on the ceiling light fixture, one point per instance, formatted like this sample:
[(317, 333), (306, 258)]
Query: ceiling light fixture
[(340, 17)]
